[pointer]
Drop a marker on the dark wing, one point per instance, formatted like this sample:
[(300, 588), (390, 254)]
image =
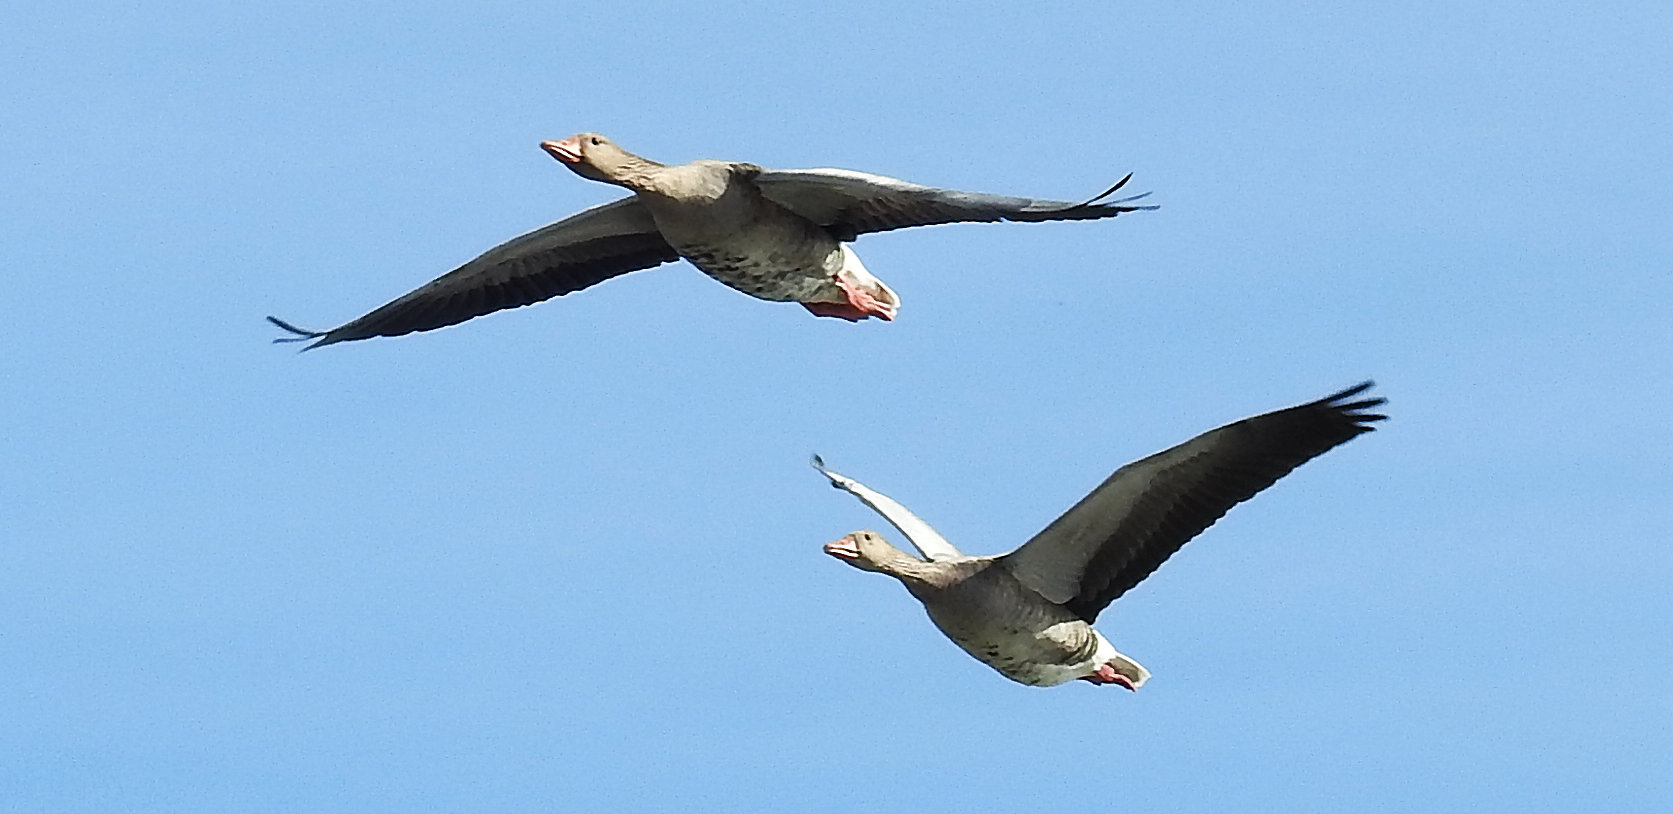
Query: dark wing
[(578, 251), (1121, 532), (853, 203)]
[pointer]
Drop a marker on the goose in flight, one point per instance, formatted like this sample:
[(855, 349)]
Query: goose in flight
[(777, 235), (1029, 613)]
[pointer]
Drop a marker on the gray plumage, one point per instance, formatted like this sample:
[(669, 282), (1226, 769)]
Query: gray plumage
[(774, 235), (1029, 613)]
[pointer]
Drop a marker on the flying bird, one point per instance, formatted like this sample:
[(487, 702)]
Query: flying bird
[(1029, 613), (776, 235)]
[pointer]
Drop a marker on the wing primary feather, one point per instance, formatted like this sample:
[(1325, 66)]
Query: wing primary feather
[(302, 334), (1105, 194), (1122, 531), (920, 534), (560, 258), (1108, 192)]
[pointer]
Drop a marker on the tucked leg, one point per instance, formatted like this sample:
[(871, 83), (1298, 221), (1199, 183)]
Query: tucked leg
[(861, 303), (866, 295), (1106, 674), (840, 310)]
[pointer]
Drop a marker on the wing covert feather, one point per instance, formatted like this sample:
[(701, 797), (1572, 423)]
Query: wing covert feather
[(1127, 527), (563, 257), (854, 203)]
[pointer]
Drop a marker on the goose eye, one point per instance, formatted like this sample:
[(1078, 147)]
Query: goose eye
[(595, 140)]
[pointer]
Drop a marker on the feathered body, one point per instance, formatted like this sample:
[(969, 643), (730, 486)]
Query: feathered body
[(1029, 613), (775, 235)]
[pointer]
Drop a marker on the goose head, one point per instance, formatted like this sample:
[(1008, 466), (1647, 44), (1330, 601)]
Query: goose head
[(591, 155), (868, 551)]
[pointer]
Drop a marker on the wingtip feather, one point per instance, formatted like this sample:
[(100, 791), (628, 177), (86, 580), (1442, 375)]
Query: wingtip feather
[(1117, 206), (819, 464), (302, 334), (1355, 410)]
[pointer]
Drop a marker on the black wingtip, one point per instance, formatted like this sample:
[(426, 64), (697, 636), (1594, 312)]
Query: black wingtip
[(1106, 193), (1350, 392), (1118, 205), (1355, 409), (1131, 198), (819, 464), (302, 334)]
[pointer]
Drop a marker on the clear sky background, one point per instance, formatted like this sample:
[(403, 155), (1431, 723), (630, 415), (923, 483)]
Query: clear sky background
[(567, 557)]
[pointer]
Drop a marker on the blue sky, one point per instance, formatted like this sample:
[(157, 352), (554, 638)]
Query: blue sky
[(567, 557)]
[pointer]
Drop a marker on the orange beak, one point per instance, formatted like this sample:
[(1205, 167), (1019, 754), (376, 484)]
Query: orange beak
[(844, 549), (568, 151)]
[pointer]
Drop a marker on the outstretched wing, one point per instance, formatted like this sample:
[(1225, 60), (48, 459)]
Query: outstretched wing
[(579, 251), (928, 541), (1127, 527), (853, 203)]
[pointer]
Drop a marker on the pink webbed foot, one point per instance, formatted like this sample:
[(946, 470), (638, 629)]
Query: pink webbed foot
[(861, 304), (1106, 674), (840, 310)]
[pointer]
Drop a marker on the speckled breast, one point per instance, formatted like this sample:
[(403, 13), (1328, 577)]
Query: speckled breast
[(768, 275), (1028, 642)]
